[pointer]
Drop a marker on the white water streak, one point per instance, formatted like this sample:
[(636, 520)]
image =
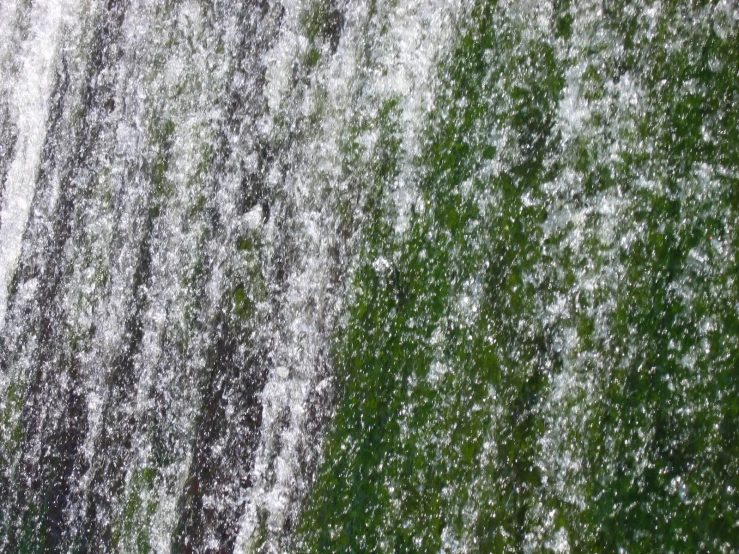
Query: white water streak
[(350, 84), (29, 108), (563, 455)]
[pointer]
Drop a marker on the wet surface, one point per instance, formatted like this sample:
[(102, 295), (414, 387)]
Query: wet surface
[(337, 276)]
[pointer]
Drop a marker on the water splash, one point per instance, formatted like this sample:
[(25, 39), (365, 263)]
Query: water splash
[(330, 276)]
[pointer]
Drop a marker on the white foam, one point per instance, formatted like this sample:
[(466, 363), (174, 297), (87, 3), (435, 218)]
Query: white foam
[(30, 104)]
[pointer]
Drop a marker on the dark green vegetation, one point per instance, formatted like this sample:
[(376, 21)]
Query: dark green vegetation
[(281, 289), (547, 358)]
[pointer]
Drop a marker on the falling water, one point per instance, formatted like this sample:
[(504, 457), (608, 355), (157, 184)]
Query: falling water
[(366, 276)]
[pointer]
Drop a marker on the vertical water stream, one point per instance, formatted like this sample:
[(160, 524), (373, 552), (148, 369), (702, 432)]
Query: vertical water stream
[(369, 276)]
